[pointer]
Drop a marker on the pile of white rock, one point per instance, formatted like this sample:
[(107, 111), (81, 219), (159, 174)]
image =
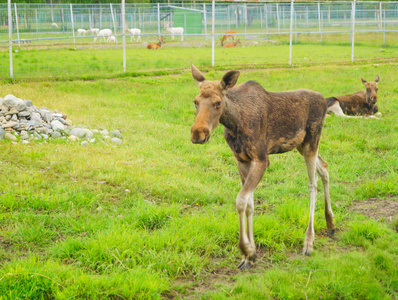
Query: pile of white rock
[(21, 120)]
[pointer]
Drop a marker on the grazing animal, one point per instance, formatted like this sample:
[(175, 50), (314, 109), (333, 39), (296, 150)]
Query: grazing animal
[(174, 30), (360, 103), (81, 32), (156, 46), (111, 39), (94, 30), (103, 33), (134, 32), (258, 123), (228, 34), (54, 25), (232, 45)]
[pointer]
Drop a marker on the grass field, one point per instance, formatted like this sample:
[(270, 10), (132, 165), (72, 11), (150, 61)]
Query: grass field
[(70, 230), (61, 60)]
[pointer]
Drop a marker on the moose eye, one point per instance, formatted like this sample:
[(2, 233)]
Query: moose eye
[(217, 104)]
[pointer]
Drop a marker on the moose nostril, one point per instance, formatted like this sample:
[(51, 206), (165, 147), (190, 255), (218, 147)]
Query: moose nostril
[(199, 135)]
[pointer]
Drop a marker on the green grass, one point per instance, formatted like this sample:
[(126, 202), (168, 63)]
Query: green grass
[(69, 229), (85, 60)]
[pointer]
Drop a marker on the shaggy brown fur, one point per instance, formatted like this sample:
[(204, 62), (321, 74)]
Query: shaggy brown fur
[(259, 123), (360, 103)]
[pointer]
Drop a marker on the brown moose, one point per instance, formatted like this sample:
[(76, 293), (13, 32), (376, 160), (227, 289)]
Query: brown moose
[(358, 104), (258, 123)]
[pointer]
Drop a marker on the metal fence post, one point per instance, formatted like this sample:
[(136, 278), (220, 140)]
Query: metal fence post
[(229, 18), (353, 29), (291, 31), (245, 16), (113, 20), (72, 24), (124, 34), (277, 15), (266, 20), (295, 27), (383, 24), (205, 19), (213, 16), (10, 38), (16, 23), (319, 20), (37, 22), (158, 19)]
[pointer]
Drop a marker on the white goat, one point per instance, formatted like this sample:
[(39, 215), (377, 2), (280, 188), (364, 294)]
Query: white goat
[(54, 25), (81, 32), (111, 39), (103, 33), (94, 30), (174, 30), (134, 32)]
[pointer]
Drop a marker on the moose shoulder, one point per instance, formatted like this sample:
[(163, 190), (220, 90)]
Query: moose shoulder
[(259, 123)]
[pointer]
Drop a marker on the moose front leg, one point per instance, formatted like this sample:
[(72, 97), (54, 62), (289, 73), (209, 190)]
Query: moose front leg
[(251, 174)]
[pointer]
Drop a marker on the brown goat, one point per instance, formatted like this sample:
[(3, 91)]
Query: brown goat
[(232, 45), (258, 123), (156, 46), (360, 103), (228, 34)]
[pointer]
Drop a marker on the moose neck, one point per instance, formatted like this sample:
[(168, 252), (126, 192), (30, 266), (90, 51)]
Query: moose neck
[(230, 116)]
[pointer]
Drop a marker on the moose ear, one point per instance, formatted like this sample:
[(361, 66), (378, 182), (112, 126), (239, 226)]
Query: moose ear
[(197, 75), (229, 80), (377, 78), (363, 80)]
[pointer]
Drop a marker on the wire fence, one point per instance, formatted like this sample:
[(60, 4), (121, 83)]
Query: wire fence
[(63, 40)]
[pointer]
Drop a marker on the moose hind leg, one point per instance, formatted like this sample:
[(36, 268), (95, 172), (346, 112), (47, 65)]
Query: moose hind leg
[(322, 169)]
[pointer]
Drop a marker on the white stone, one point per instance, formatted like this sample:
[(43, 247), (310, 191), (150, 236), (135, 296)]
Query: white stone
[(11, 101), (10, 136), (73, 138), (57, 125), (117, 141), (82, 132)]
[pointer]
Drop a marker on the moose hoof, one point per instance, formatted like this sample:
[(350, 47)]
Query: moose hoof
[(245, 265), (331, 232), (247, 262), (307, 250)]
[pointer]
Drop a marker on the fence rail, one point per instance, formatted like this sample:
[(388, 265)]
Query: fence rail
[(35, 31)]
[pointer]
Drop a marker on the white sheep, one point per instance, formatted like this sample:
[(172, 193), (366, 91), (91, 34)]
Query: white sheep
[(54, 25), (81, 32), (103, 33), (134, 32), (174, 30), (94, 30), (111, 39)]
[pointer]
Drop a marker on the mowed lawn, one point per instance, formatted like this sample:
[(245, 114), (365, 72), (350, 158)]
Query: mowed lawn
[(87, 60), (155, 217)]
